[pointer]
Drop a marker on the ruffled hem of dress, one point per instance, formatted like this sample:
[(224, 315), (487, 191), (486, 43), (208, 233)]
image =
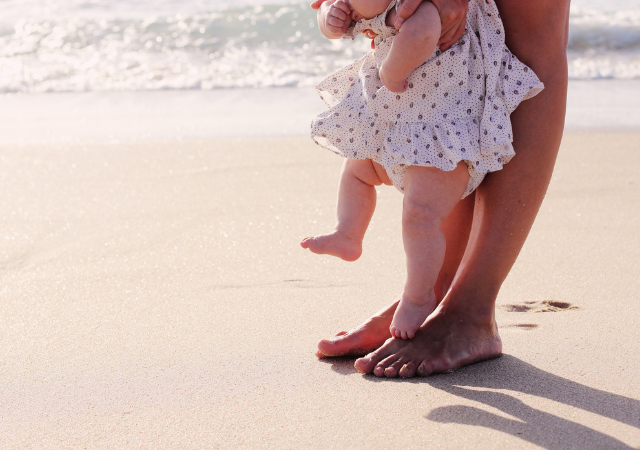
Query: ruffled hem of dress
[(524, 88), (332, 92), (442, 145), (376, 23), (515, 84)]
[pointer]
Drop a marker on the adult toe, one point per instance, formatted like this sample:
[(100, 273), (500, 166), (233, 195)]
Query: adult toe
[(368, 363), (382, 366), (339, 345), (393, 369), (425, 368), (435, 365), (408, 370)]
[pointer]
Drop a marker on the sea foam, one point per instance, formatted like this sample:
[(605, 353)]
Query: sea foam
[(117, 45)]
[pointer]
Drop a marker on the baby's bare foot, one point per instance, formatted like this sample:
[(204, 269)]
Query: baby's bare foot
[(411, 314), (334, 244)]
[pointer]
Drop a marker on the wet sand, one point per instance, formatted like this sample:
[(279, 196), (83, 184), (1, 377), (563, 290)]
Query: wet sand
[(154, 295), (140, 116)]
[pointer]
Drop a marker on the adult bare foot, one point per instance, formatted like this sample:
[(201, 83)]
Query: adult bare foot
[(450, 338), (335, 243), (361, 340)]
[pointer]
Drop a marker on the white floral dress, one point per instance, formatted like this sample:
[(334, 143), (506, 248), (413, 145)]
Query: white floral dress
[(457, 107)]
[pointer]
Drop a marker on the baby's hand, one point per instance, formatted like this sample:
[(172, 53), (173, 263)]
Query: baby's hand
[(394, 85), (338, 18)]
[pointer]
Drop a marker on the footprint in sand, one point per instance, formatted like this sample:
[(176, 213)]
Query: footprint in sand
[(540, 306), (522, 326), (314, 284)]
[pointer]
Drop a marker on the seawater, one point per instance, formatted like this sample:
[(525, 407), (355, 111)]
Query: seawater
[(132, 45)]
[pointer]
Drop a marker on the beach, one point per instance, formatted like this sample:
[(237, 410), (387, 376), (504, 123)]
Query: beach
[(154, 294), (158, 176)]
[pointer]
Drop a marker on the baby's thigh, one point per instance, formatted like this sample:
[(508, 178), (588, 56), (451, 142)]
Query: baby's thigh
[(367, 171), (382, 173), (434, 189), (361, 169)]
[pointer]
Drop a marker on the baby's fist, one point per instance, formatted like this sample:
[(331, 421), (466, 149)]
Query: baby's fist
[(338, 18)]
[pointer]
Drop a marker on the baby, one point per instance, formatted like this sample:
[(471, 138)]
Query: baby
[(431, 123), (411, 48)]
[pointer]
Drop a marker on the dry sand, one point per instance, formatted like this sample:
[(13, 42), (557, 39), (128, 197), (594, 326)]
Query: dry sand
[(154, 295)]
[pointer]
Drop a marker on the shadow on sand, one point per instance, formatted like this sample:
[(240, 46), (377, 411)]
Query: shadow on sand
[(509, 373)]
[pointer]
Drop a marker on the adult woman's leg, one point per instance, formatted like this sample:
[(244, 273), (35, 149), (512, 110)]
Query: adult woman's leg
[(373, 332), (463, 330), (456, 230)]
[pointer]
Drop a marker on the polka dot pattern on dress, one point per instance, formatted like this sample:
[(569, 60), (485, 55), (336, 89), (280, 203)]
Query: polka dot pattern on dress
[(457, 106)]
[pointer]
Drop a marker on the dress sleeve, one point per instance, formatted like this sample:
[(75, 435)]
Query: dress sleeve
[(374, 23), (350, 34)]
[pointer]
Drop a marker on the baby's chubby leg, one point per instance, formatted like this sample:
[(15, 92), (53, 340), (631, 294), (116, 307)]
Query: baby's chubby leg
[(430, 195), (356, 203), (413, 45)]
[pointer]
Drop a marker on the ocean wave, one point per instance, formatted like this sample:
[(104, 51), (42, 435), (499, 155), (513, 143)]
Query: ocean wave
[(604, 42), (268, 45), (259, 46), (592, 30)]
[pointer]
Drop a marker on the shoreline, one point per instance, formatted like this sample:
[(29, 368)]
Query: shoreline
[(599, 105)]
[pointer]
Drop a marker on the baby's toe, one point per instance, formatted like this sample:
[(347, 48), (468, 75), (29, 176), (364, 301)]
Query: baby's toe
[(305, 242)]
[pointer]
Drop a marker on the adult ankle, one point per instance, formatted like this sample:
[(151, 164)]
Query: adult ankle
[(478, 305)]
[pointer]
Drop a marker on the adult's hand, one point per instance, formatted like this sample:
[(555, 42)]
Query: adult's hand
[(453, 17), (317, 3)]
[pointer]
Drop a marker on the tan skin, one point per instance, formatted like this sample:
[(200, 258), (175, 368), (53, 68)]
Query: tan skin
[(485, 232)]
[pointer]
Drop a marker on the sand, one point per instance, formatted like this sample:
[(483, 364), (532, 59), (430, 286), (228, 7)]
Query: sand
[(153, 295)]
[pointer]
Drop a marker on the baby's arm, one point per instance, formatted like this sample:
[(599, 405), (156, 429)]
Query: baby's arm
[(334, 18), (415, 42)]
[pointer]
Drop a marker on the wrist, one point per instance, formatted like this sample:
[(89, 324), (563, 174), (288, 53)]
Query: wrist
[(332, 35)]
